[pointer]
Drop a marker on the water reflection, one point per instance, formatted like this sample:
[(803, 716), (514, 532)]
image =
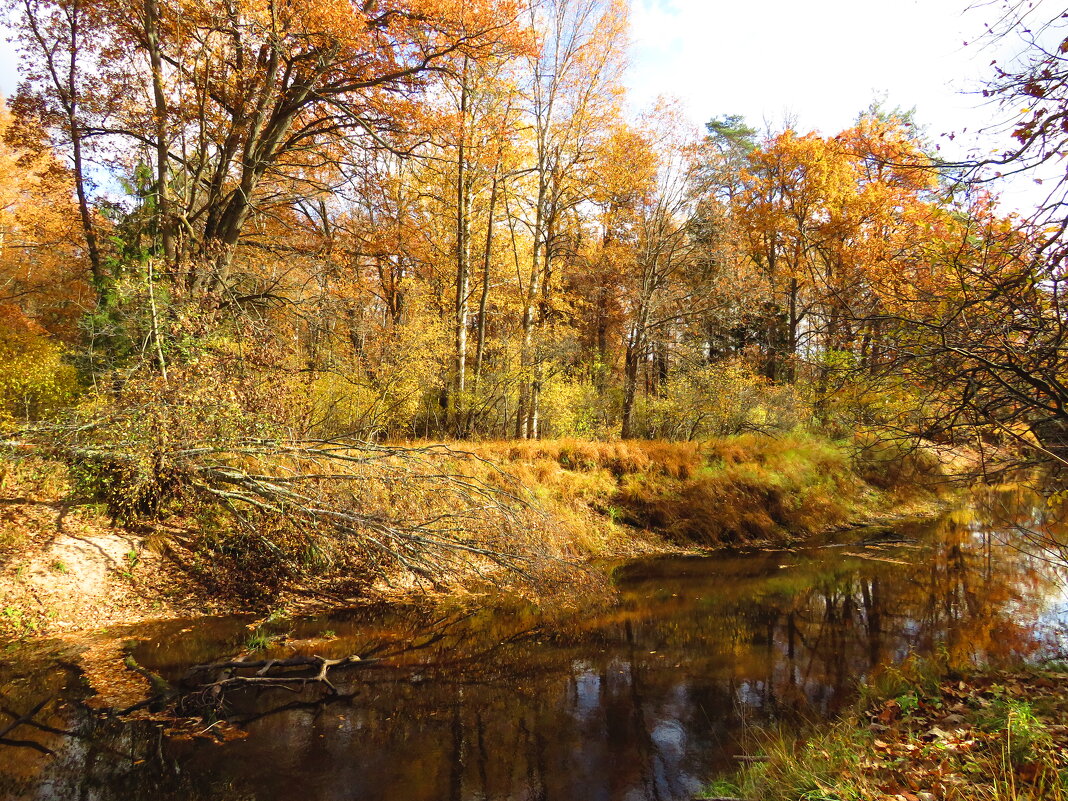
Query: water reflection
[(644, 699)]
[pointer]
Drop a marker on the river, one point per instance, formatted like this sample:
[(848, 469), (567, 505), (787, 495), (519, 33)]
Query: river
[(646, 697)]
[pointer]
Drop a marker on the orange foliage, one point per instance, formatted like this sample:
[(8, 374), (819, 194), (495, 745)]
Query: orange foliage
[(42, 271)]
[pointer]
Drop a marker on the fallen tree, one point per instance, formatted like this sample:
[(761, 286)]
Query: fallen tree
[(354, 508)]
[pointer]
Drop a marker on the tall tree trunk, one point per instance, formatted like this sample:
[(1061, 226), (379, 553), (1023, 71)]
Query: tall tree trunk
[(790, 372), (85, 214), (637, 342), (483, 300), (463, 254), (64, 78), (268, 128), (630, 382), (164, 215), (526, 357)]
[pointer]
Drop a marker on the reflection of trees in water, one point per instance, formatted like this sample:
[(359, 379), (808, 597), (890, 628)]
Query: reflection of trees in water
[(644, 698), (1029, 516)]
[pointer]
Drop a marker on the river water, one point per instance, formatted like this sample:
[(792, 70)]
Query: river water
[(647, 697)]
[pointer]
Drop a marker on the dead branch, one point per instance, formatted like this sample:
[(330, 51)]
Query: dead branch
[(205, 688), (265, 666), (264, 676)]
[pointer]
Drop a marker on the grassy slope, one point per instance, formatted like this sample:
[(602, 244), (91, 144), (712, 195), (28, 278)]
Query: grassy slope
[(735, 491)]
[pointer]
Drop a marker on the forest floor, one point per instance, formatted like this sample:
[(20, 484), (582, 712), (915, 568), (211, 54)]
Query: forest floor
[(66, 568), (925, 733)]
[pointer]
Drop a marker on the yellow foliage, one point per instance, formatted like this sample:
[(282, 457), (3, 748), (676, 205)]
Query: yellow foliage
[(34, 380), (380, 390), (715, 400), (41, 257), (579, 409)]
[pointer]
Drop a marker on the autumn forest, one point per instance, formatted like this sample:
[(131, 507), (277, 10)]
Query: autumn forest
[(240, 238), (433, 219), (400, 313)]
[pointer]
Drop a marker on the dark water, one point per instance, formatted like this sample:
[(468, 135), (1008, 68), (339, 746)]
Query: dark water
[(645, 698)]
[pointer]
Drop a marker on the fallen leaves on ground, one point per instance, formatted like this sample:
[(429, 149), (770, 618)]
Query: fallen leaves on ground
[(958, 741)]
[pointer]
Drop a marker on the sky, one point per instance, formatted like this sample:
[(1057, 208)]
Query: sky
[(8, 63), (821, 60), (819, 63)]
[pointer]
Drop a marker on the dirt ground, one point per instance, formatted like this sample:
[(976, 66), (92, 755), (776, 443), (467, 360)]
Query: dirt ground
[(64, 568)]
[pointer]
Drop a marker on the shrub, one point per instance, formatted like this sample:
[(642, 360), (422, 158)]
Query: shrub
[(717, 400), (34, 379), (890, 462)]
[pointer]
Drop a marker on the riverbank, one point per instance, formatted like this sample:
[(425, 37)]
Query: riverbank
[(67, 567), (924, 733)]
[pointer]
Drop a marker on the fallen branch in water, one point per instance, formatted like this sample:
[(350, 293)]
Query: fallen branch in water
[(209, 694), (263, 675)]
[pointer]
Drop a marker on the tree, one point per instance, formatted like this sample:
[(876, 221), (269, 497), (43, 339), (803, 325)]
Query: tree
[(573, 82), (658, 293), (1031, 88), (58, 48), (823, 218), (984, 337), (984, 334), (43, 270), (237, 105)]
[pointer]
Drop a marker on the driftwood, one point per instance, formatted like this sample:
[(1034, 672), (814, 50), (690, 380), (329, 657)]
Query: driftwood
[(205, 688), (226, 679)]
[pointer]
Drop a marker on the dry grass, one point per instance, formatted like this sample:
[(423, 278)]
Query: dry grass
[(751, 488), (675, 459), (735, 490)]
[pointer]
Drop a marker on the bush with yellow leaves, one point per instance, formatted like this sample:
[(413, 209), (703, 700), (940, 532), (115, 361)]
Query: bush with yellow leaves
[(384, 387), (716, 400), (34, 379)]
